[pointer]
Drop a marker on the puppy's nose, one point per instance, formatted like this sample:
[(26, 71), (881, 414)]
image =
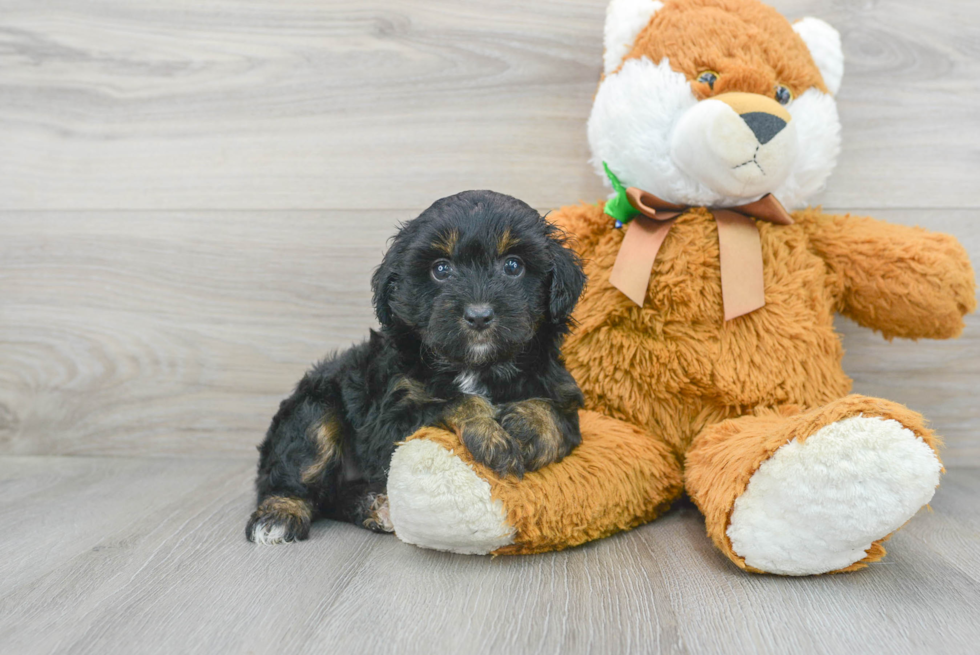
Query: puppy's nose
[(764, 126), (478, 317)]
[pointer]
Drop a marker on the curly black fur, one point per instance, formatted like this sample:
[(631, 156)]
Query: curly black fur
[(498, 380)]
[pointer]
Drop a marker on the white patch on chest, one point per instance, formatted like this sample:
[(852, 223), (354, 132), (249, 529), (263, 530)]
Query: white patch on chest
[(469, 383)]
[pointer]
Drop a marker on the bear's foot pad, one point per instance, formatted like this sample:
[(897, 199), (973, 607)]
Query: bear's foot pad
[(819, 505), (437, 501)]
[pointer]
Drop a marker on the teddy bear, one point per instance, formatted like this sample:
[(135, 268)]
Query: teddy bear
[(704, 342)]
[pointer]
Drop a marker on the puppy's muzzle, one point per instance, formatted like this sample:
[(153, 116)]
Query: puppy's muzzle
[(478, 317)]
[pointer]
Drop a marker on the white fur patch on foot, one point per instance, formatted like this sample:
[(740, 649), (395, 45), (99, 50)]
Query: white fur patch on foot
[(268, 533), (817, 506), (436, 501)]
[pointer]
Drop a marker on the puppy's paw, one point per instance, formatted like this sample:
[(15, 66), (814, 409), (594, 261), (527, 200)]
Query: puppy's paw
[(279, 520), (532, 424), (376, 515), (491, 446)]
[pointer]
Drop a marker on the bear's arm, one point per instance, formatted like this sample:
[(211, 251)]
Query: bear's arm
[(902, 281), (582, 223)]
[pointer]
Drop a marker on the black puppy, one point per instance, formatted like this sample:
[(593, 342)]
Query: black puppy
[(474, 299)]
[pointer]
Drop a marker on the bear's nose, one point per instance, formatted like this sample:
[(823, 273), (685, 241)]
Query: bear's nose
[(478, 317), (764, 126), (764, 116)]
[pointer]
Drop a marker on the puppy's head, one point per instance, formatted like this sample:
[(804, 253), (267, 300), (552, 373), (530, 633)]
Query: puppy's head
[(477, 277)]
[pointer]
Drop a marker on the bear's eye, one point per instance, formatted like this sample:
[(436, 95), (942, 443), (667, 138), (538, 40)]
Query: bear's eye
[(709, 78), (513, 266), (783, 95), (442, 270)]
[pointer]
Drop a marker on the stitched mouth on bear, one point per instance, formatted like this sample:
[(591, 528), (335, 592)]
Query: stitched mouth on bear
[(754, 160)]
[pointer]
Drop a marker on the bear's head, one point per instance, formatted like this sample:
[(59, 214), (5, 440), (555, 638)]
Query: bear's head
[(717, 102)]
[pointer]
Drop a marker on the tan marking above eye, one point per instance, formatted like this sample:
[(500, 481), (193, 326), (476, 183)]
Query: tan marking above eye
[(506, 242), (446, 243)]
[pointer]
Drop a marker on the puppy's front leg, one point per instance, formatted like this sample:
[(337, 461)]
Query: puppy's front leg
[(473, 419), (546, 433)]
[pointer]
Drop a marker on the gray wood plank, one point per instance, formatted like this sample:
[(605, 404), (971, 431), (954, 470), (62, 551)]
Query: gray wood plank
[(161, 333), (177, 576), (129, 333), (384, 104), (82, 503)]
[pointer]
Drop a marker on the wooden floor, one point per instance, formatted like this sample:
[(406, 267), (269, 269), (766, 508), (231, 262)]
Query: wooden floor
[(136, 555), (193, 195)]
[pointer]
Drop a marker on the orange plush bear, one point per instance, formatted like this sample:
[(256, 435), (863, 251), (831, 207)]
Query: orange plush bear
[(705, 343)]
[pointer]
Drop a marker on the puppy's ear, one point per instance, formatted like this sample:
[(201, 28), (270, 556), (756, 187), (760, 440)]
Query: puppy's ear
[(387, 277), (567, 278), (384, 282), (382, 285)]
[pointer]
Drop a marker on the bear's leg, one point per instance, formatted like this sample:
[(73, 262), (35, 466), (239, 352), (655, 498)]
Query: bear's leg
[(618, 478), (806, 492)]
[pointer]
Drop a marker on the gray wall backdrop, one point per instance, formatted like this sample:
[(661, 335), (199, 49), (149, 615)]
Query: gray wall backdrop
[(193, 195)]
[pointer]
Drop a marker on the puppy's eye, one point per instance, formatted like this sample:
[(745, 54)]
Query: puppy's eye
[(513, 266), (442, 270), (783, 95), (709, 78)]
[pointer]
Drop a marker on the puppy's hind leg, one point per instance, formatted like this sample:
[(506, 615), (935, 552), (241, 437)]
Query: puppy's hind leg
[(365, 505), (299, 464)]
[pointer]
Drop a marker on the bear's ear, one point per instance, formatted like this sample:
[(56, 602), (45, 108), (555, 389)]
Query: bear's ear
[(625, 19), (823, 41)]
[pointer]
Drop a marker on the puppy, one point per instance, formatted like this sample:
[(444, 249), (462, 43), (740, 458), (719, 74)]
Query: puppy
[(474, 298)]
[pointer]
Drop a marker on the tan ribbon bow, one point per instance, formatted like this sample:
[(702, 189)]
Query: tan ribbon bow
[(739, 248)]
